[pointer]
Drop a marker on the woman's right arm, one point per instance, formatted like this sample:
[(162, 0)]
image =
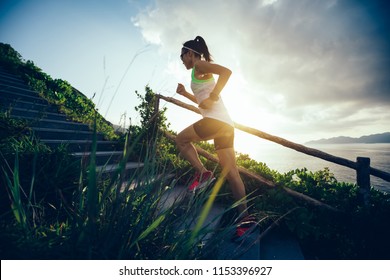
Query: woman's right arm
[(182, 91)]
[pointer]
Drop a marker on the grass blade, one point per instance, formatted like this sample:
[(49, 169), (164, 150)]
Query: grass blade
[(206, 209), (149, 229)]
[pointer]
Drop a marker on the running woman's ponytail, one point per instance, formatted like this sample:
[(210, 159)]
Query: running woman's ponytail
[(199, 46), (203, 48)]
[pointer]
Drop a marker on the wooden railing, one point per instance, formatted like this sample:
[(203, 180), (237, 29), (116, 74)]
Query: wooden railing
[(362, 164)]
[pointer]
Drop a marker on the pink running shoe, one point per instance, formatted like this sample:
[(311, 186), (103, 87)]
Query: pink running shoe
[(245, 226), (201, 181)]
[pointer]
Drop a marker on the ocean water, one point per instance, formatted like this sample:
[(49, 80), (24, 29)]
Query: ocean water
[(284, 159)]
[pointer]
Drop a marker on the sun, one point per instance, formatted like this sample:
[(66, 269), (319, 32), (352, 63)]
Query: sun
[(239, 100)]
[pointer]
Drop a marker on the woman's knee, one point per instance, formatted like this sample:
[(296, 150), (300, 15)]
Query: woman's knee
[(233, 174), (185, 137), (182, 141), (179, 141)]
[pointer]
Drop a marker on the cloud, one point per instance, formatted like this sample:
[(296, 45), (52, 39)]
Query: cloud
[(312, 62)]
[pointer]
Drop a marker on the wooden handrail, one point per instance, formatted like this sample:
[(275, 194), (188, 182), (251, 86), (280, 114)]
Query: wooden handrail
[(298, 147), (260, 178)]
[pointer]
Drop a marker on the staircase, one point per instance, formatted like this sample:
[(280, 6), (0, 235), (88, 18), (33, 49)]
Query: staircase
[(54, 128)]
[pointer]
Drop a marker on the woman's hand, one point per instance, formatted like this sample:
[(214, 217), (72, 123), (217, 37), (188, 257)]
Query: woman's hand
[(207, 103), (181, 89)]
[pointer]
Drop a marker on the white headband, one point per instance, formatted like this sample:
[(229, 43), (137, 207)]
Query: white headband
[(184, 47)]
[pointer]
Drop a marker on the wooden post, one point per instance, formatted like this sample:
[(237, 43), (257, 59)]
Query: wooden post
[(155, 115), (156, 104), (153, 123), (363, 179)]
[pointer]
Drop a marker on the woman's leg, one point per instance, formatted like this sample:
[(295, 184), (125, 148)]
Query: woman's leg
[(227, 159), (187, 150)]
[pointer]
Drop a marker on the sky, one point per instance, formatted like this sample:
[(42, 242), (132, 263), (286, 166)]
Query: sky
[(302, 69)]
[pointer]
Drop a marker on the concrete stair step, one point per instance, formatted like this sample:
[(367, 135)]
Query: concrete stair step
[(28, 106), (173, 196), (247, 248), (8, 83), (12, 81), (102, 157), (83, 145), (55, 124), (11, 94), (34, 114), (7, 75), (6, 72), (110, 168), (133, 183), (279, 244), (49, 133)]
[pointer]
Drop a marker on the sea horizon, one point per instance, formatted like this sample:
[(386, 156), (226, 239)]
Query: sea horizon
[(283, 159)]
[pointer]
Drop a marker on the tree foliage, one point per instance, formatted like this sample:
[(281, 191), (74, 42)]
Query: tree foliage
[(9, 58), (152, 118)]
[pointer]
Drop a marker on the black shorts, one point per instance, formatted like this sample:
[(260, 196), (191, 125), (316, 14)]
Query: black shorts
[(221, 132)]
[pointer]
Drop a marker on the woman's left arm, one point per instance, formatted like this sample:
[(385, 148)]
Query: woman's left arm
[(222, 72), (223, 76)]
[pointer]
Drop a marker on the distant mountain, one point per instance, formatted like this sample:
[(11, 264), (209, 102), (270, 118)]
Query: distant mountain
[(368, 139)]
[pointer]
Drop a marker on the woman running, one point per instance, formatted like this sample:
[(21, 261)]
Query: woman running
[(216, 124)]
